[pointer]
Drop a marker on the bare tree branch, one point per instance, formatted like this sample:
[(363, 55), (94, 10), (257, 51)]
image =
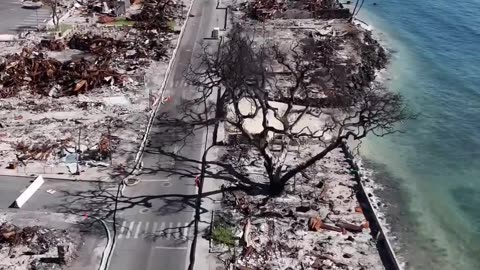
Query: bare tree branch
[(268, 92)]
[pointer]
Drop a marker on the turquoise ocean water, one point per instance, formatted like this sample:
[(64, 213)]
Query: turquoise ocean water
[(433, 171)]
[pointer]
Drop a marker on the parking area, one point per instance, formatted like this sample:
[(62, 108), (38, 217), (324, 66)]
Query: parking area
[(14, 18)]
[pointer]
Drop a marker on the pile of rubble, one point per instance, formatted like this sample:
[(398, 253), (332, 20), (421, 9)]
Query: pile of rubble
[(46, 76), (269, 9), (131, 47), (85, 97), (342, 56), (264, 10), (157, 15), (35, 247), (317, 224)]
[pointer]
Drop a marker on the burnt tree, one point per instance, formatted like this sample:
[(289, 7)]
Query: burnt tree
[(53, 5), (278, 95)]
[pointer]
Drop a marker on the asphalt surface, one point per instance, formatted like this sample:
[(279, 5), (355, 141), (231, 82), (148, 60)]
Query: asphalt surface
[(62, 205), (14, 18), (155, 220), (59, 196)]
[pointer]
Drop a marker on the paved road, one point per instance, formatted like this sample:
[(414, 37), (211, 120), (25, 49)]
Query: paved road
[(57, 196), (14, 18), (155, 225), (48, 205)]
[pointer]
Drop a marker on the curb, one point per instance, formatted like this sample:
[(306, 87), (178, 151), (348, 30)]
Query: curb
[(108, 246)]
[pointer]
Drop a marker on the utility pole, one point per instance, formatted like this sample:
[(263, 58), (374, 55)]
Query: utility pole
[(78, 150), (109, 143)]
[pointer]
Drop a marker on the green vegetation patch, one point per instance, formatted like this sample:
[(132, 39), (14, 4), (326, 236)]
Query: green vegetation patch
[(223, 235)]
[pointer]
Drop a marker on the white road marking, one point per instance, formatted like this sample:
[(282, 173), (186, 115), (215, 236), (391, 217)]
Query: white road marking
[(154, 227), (25, 24), (180, 248), (130, 228), (122, 229), (175, 150), (179, 230), (155, 180), (111, 189), (185, 231), (162, 228), (169, 234), (145, 230), (137, 231)]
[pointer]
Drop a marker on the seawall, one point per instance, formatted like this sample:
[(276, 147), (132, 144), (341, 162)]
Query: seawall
[(385, 248)]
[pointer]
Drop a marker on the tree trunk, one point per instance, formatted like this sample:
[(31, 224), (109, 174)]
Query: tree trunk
[(276, 185)]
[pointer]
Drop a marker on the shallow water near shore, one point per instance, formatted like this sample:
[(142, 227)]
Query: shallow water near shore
[(432, 172)]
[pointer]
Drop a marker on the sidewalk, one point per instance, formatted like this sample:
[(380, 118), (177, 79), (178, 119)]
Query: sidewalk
[(204, 260)]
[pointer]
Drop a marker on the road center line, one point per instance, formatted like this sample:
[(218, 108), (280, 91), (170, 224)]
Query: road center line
[(155, 180)]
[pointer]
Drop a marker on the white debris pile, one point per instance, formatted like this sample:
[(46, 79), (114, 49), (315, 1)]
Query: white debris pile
[(317, 224)]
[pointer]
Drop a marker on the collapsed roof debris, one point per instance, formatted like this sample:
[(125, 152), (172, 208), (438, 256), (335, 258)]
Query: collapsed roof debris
[(51, 77)]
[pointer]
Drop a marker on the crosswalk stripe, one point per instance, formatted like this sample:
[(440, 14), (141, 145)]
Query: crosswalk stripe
[(162, 228), (154, 227), (145, 230), (185, 231), (24, 24), (122, 229), (130, 229), (169, 234), (179, 230), (137, 231), (142, 229)]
